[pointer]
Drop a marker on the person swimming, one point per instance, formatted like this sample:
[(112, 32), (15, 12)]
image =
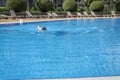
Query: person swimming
[(41, 28)]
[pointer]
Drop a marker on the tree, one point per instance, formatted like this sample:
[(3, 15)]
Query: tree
[(17, 5), (110, 5), (30, 4), (118, 6)]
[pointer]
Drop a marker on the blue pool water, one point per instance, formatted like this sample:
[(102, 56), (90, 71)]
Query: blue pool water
[(68, 49)]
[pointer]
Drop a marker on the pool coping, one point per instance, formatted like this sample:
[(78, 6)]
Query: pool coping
[(93, 78), (54, 19)]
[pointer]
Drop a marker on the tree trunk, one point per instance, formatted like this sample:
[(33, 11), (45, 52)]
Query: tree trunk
[(28, 7)]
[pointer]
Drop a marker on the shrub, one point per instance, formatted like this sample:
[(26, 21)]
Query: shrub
[(17, 5), (118, 6), (33, 8), (59, 9), (69, 5), (80, 9), (44, 5), (97, 6), (83, 9), (3, 9)]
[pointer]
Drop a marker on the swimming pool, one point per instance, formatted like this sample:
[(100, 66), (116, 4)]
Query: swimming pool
[(68, 49)]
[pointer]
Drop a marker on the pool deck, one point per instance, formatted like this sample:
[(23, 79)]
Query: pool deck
[(94, 78)]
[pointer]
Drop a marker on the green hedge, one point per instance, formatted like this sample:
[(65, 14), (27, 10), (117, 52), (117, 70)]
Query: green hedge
[(3, 9), (44, 5), (97, 6), (17, 5), (69, 5)]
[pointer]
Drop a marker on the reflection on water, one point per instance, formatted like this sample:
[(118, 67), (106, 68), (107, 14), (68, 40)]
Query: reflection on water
[(60, 33), (80, 31)]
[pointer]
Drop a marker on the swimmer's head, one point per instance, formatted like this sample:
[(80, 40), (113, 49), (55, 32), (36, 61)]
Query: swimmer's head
[(43, 28)]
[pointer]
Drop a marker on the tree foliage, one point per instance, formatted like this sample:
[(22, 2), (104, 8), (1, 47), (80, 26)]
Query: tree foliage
[(118, 6), (17, 5)]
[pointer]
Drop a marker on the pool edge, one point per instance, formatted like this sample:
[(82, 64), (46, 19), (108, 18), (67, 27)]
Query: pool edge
[(18, 22)]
